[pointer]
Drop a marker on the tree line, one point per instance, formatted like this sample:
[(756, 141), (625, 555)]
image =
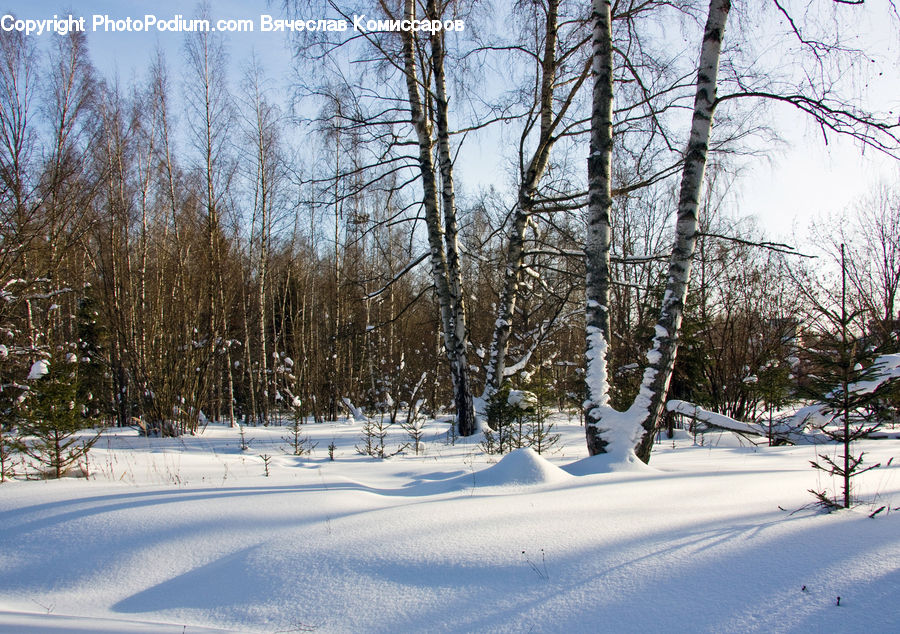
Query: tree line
[(199, 249)]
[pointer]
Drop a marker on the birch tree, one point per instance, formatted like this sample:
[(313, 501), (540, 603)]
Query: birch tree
[(625, 436), (266, 173), (211, 122), (17, 149), (548, 113), (628, 435), (443, 237)]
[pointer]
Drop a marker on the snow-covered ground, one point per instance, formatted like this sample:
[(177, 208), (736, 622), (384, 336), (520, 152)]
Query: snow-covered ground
[(190, 535)]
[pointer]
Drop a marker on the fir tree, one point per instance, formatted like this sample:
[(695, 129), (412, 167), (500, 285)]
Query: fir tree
[(841, 362), (91, 338), (51, 415), (773, 388), (8, 446)]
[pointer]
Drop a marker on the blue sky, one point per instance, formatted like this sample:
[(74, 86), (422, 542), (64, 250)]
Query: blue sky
[(801, 180)]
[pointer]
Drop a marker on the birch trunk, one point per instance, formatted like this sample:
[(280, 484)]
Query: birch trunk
[(631, 432), (262, 204), (462, 393), (529, 180), (208, 60), (515, 256), (444, 247), (597, 243)]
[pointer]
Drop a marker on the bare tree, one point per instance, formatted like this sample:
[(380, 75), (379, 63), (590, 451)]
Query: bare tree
[(442, 239), (554, 70), (626, 433), (212, 120), (630, 433), (268, 171), (872, 236), (18, 207)]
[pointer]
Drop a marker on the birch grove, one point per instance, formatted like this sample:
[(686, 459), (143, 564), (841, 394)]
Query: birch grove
[(407, 222)]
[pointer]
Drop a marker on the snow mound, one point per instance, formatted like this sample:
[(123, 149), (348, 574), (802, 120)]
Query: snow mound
[(607, 463), (522, 466)]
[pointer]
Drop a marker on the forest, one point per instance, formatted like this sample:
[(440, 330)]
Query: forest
[(479, 327), (199, 245)]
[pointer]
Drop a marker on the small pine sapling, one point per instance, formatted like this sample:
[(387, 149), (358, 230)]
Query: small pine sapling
[(840, 384), (501, 417), (773, 388), (245, 442), (298, 442), (522, 404), (540, 435), (266, 458), (374, 435), (415, 422), (414, 426), (452, 435), (51, 416)]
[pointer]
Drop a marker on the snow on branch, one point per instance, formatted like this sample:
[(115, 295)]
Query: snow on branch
[(720, 421), (798, 427), (356, 413), (786, 430), (885, 368)]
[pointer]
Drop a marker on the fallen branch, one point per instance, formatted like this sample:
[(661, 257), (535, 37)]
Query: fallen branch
[(788, 430)]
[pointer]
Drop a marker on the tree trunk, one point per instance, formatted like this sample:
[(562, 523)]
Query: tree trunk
[(632, 432), (655, 385), (444, 248), (515, 254), (597, 244)]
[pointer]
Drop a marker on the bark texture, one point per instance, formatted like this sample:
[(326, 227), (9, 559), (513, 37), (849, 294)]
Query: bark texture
[(442, 240), (533, 170), (597, 244), (658, 374), (604, 427)]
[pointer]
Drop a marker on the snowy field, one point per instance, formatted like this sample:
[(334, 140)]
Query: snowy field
[(190, 535)]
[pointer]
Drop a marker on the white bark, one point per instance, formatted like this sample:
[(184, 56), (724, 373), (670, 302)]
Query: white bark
[(625, 434), (529, 180), (793, 430), (444, 247), (597, 244)]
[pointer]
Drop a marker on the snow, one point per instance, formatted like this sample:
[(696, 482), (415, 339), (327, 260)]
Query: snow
[(885, 368), (181, 534), (596, 378), (521, 467), (358, 415), (799, 427), (39, 368), (521, 399), (713, 418), (621, 430)]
